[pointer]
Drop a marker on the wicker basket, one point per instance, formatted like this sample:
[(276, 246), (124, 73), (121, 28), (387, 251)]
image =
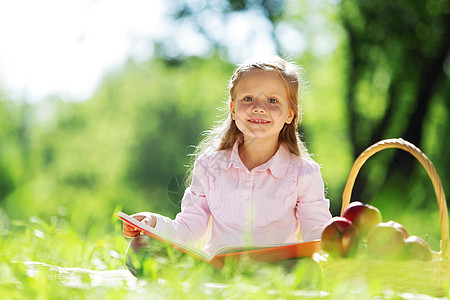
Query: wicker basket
[(432, 278), (426, 163)]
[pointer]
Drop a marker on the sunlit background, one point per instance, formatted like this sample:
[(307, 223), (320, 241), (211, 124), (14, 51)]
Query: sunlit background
[(65, 48), (55, 47), (101, 102)]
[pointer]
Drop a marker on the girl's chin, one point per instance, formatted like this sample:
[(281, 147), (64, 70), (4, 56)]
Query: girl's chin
[(259, 136), (255, 128)]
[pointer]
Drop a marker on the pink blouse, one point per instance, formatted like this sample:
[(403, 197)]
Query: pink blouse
[(267, 205)]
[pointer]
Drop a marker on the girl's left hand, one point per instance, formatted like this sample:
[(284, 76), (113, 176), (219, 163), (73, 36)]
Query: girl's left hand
[(145, 217)]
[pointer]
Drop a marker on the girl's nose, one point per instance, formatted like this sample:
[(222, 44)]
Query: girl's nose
[(258, 108)]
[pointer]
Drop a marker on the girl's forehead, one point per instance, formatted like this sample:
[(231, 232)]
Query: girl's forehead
[(258, 71), (258, 76)]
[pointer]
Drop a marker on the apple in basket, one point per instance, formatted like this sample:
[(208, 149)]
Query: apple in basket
[(417, 249), (386, 241), (363, 216), (400, 227), (340, 237)]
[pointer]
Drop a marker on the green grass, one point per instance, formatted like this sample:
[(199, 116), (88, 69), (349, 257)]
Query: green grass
[(51, 260)]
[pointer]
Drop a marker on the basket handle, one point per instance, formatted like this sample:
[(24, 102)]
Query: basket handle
[(426, 163)]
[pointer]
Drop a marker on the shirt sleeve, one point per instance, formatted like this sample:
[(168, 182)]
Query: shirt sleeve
[(191, 223), (312, 210)]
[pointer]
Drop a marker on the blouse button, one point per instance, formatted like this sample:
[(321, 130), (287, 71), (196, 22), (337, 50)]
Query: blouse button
[(247, 221), (249, 175), (247, 198)]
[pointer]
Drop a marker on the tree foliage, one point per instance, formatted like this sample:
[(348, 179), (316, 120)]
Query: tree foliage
[(398, 52)]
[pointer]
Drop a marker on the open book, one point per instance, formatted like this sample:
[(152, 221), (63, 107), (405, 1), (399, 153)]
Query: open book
[(265, 253)]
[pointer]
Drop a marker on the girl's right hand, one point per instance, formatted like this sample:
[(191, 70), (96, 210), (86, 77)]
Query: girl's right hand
[(145, 217)]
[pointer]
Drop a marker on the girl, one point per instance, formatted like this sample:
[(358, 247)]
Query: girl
[(253, 177)]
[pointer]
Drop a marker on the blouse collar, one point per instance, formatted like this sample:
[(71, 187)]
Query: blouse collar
[(277, 164)]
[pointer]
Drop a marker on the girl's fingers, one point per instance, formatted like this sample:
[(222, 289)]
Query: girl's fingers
[(138, 217), (128, 227), (130, 231)]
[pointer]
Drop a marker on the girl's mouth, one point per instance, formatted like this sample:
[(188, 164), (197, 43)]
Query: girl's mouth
[(258, 121)]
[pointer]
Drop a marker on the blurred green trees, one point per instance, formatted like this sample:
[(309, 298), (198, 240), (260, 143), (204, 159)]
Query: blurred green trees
[(11, 155), (397, 80)]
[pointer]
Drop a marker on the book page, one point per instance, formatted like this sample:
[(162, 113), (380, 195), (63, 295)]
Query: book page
[(154, 233), (267, 253), (239, 248)]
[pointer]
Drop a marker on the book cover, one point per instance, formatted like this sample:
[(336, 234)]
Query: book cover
[(264, 253)]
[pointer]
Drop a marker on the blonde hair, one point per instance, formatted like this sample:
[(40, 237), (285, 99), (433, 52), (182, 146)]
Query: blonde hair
[(225, 134)]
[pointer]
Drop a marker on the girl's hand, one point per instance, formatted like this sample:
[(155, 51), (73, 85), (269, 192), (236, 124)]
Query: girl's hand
[(144, 217)]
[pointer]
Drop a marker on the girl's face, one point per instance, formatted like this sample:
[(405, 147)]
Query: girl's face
[(261, 106)]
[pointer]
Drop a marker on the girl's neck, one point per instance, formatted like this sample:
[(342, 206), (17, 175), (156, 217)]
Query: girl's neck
[(256, 152)]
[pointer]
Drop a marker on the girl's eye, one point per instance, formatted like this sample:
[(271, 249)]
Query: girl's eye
[(272, 100), (248, 98)]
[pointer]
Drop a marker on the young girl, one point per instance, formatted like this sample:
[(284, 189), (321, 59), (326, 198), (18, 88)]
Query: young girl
[(253, 177)]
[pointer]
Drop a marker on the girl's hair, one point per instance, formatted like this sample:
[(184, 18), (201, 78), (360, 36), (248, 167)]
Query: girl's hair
[(225, 134)]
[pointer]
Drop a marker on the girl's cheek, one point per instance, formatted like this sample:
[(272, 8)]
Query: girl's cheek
[(276, 111), (244, 107)]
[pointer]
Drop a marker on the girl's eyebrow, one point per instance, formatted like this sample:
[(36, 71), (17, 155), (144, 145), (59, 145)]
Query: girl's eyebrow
[(249, 93)]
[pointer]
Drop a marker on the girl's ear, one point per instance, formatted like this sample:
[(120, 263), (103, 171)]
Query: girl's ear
[(232, 109), (290, 117)]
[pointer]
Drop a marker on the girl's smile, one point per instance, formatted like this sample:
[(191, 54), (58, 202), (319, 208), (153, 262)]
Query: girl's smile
[(258, 121)]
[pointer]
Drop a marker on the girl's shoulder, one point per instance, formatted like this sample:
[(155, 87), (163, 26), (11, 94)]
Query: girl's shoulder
[(304, 166), (212, 155), (216, 159)]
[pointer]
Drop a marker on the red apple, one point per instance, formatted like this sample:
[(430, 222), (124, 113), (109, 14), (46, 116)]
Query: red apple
[(363, 216), (386, 241), (399, 226), (417, 249), (340, 237)]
